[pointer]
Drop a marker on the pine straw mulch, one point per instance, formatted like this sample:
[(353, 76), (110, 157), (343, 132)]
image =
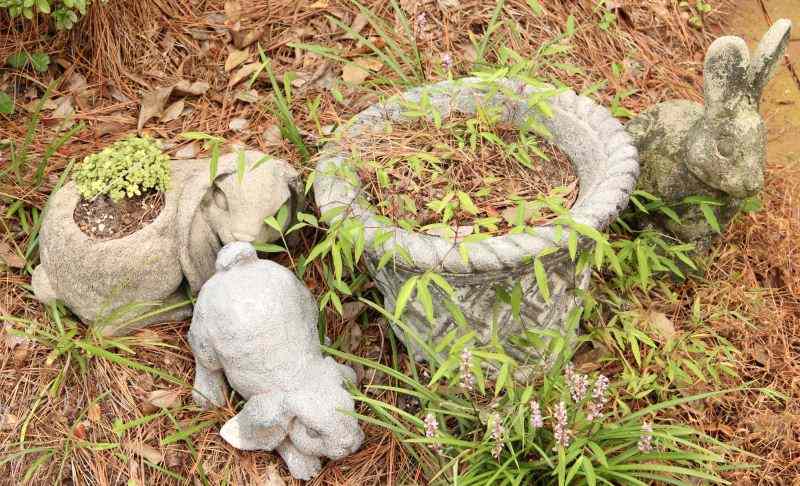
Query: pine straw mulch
[(495, 182), (757, 274), (135, 46)]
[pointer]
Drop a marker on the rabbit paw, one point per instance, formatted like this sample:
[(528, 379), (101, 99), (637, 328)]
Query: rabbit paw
[(300, 465)]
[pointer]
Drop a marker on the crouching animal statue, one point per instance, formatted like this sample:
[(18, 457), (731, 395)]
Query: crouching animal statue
[(122, 284), (714, 151), (255, 324)]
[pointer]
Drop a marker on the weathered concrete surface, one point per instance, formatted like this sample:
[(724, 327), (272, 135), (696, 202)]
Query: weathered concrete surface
[(716, 150), (606, 163), (255, 324), (114, 283)]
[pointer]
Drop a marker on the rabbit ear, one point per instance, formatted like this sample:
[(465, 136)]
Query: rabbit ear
[(198, 244), (725, 75), (262, 424), (767, 56)]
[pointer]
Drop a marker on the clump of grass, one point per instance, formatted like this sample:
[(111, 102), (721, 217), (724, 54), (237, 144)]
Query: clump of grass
[(566, 427)]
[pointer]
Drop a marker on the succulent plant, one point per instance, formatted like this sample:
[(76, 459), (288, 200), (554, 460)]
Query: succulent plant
[(128, 168)]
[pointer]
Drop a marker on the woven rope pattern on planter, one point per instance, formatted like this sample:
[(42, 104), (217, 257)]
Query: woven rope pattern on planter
[(606, 163), (596, 143)]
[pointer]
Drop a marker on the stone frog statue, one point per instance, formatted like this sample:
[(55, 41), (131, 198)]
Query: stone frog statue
[(117, 284), (256, 324), (717, 150)]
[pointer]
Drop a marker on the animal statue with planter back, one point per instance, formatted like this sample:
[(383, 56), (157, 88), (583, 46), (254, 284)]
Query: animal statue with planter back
[(117, 284), (255, 324), (715, 151)]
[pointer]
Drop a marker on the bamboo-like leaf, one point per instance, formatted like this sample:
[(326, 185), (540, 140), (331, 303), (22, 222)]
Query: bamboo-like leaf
[(708, 213), (442, 283), (425, 298), (466, 203), (404, 295), (241, 166)]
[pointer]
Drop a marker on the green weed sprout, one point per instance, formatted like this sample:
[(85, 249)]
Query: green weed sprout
[(65, 13), (127, 168)]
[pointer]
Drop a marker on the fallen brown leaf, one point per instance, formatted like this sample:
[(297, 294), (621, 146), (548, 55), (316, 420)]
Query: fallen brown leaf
[(242, 39), (164, 398), (184, 87), (9, 421), (354, 338), (358, 71), (81, 93), (93, 412), (662, 324), (10, 257), (357, 26), (371, 63), (235, 58), (105, 128), (248, 96), (243, 73), (173, 111), (233, 11), (172, 459), (64, 108), (145, 451), (153, 105)]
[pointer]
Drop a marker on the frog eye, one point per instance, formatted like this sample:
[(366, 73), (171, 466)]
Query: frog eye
[(220, 199)]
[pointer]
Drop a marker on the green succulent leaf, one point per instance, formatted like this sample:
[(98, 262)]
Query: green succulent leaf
[(127, 168)]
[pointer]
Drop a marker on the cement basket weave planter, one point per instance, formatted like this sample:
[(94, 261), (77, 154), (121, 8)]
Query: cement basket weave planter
[(607, 166)]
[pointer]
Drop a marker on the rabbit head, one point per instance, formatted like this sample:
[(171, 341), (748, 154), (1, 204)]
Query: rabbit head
[(312, 415), (238, 203), (320, 426), (728, 151)]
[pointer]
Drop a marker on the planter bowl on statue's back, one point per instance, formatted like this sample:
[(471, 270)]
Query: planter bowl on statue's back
[(607, 167), (120, 285)]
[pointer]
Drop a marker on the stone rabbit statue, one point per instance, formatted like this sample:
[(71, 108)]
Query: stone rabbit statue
[(117, 284), (716, 150), (256, 324)]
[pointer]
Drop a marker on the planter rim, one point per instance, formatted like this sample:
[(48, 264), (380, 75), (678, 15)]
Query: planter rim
[(606, 181), (67, 198)]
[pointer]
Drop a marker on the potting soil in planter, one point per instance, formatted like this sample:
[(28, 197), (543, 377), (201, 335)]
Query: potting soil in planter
[(102, 218)]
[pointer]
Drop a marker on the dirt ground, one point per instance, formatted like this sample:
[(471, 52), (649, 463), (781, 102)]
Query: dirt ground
[(102, 428)]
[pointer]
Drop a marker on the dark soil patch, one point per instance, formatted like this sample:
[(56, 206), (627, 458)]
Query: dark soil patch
[(103, 219), (417, 164)]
